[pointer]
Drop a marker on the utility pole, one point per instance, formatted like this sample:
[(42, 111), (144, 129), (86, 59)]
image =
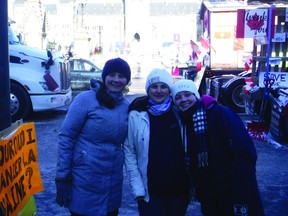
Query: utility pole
[(44, 33), (5, 112), (124, 20), (75, 20)]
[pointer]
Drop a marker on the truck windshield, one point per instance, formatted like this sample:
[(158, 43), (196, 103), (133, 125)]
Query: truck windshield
[(13, 39)]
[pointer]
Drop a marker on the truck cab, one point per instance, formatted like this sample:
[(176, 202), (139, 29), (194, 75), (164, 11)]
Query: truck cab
[(39, 79)]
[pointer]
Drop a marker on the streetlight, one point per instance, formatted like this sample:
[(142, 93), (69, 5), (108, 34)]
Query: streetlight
[(124, 20)]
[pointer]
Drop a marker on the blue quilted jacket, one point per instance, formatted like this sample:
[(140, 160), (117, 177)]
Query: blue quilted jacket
[(90, 150)]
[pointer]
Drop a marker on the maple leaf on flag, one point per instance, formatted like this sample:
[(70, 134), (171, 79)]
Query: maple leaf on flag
[(255, 23)]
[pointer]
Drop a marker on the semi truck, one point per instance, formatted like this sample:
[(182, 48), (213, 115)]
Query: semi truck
[(39, 79)]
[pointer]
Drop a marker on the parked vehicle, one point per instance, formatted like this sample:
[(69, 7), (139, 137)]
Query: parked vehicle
[(39, 79), (85, 72), (82, 71)]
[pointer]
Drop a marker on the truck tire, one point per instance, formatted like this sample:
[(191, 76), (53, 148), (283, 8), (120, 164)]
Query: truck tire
[(217, 83), (20, 103), (232, 94)]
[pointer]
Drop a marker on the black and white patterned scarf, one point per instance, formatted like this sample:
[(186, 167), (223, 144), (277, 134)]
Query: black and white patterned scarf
[(200, 127)]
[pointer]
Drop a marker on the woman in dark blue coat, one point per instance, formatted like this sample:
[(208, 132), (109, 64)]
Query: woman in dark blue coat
[(223, 155)]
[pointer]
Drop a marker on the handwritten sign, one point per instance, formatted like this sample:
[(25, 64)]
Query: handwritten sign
[(19, 171), (280, 79), (252, 23)]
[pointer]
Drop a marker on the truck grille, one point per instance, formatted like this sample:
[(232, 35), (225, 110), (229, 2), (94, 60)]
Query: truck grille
[(65, 77)]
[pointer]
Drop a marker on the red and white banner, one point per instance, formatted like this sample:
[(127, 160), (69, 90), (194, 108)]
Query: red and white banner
[(253, 23)]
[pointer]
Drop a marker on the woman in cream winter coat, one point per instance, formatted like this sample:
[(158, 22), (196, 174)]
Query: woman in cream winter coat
[(154, 155)]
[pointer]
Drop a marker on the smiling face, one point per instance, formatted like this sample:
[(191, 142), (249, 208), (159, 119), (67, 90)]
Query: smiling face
[(158, 92), (115, 82), (184, 100)]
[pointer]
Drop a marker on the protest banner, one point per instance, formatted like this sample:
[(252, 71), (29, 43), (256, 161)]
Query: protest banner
[(19, 171), (253, 23)]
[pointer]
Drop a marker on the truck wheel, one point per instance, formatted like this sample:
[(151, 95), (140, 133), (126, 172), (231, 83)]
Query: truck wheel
[(232, 94), (20, 104)]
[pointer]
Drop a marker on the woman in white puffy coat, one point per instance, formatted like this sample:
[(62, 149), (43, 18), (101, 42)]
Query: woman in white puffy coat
[(154, 155)]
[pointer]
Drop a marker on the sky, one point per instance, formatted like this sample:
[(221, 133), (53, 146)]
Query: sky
[(10, 2)]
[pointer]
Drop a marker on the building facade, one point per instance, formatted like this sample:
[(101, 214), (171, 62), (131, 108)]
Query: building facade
[(112, 25)]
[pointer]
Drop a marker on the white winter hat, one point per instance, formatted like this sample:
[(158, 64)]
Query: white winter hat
[(159, 75), (184, 85)]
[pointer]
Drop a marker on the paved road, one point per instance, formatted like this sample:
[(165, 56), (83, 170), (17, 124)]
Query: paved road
[(272, 171)]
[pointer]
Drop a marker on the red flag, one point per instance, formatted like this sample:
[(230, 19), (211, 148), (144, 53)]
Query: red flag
[(205, 43), (195, 47), (238, 42)]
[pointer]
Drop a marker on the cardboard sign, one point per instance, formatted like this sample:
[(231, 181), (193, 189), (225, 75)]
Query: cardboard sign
[(280, 79), (253, 23), (19, 171)]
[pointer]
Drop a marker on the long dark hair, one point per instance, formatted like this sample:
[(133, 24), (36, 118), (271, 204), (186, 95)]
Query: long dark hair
[(104, 97)]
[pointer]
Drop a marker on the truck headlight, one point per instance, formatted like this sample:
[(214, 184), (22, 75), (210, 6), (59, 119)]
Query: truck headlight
[(44, 86)]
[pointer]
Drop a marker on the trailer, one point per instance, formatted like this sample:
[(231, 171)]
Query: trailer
[(226, 58)]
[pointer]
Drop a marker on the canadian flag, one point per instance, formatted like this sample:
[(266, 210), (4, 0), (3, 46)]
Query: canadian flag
[(248, 62), (254, 23)]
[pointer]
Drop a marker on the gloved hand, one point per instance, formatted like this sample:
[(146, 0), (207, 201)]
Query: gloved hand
[(64, 192), (241, 210), (139, 198)]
